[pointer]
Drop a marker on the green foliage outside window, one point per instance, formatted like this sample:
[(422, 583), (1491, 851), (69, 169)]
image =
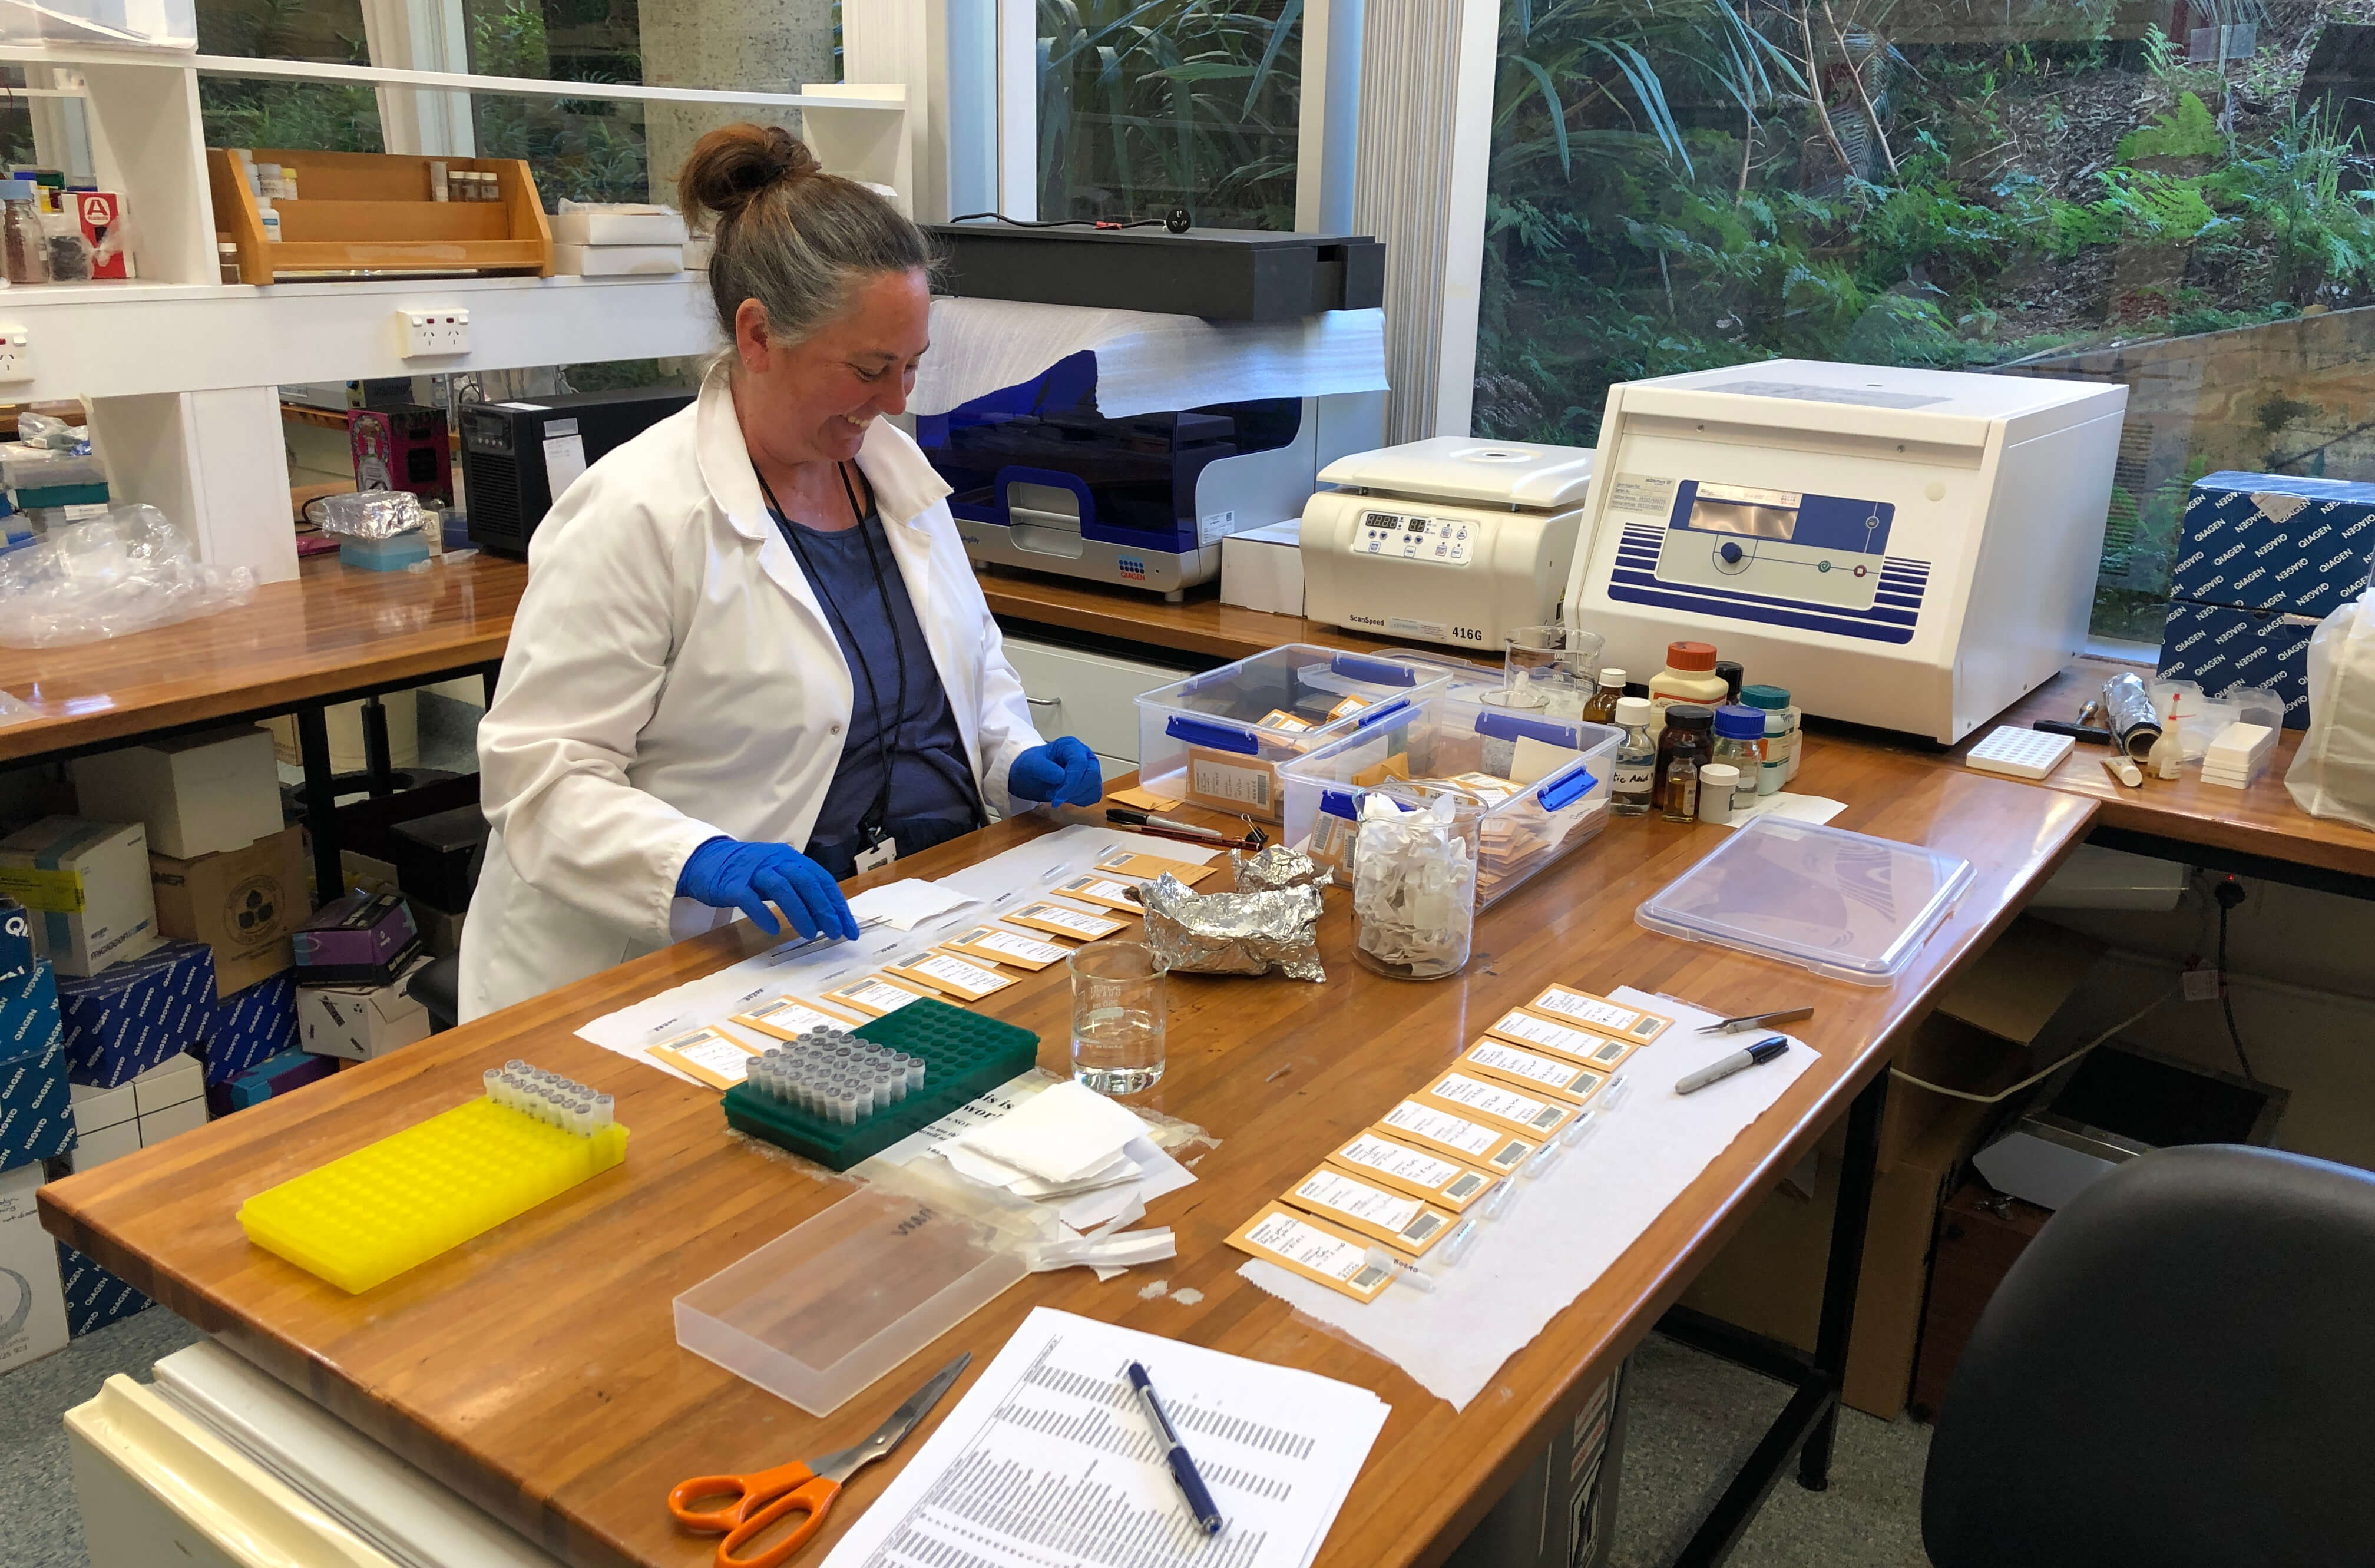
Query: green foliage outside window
[(1148, 105), (1968, 184)]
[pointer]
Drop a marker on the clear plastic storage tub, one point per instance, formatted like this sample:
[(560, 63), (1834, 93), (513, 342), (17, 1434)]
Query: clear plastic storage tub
[(1544, 782), (136, 24), (1217, 739), (836, 1301), (1845, 905)]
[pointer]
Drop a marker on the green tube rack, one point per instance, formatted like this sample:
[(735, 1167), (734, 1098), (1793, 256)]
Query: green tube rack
[(964, 1057)]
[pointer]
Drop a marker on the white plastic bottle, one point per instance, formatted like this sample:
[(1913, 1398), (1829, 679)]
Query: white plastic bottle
[(1689, 677)]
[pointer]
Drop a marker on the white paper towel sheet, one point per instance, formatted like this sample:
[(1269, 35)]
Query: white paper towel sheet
[(1567, 1227), (1147, 362)]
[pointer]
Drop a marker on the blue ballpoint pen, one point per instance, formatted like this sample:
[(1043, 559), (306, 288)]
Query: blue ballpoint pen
[(1183, 1469)]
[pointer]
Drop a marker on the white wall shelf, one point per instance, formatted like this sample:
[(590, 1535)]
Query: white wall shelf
[(94, 340), (182, 369), (834, 96)]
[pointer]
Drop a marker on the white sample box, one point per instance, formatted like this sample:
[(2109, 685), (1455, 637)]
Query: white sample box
[(359, 1023), (32, 1302), (85, 886), (196, 793)]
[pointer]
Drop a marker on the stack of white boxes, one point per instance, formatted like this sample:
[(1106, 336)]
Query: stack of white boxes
[(2237, 754), (112, 1123), (617, 240)]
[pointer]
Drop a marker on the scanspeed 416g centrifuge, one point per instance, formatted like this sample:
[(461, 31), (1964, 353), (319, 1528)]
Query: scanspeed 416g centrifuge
[(1913, 549)]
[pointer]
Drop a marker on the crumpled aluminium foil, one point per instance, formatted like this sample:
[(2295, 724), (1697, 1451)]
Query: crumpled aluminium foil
[(1233, 933), (1278, 866)]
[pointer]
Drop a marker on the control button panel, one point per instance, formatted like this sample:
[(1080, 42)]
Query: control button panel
[(1445, 541)]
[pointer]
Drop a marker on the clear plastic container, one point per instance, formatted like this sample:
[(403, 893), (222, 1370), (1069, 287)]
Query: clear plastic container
[(1845, 905), (1218, 738), (1414, 893), (836, 1301), (136, 24), (24, 468), (1529, 821)]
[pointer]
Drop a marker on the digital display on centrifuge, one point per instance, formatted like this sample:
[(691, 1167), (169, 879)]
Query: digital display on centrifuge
[(1752, 513)]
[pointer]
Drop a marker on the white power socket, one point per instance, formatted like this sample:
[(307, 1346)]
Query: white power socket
[(433, 333), (16, 354)]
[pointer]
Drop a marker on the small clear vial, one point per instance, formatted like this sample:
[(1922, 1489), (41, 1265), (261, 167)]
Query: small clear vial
[(1682, 803), (606, 1112), (1633, 775)]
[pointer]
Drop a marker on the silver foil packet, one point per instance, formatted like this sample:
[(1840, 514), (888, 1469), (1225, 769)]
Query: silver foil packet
[(1277, 866), (1233, 933)]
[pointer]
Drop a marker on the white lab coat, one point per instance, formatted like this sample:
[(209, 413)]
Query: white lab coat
[(671, 677)]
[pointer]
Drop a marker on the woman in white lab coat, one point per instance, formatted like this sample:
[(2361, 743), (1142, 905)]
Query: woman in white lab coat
[(751, 658)]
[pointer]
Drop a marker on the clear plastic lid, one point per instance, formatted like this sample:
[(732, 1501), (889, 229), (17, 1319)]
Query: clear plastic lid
[(1845, 905)]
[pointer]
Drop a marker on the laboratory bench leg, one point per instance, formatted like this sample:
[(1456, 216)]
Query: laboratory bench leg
[(378, 771), (1808, 1422), (322, 800)]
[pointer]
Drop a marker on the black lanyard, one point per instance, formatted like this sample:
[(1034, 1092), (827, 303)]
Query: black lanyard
[(870, 828)]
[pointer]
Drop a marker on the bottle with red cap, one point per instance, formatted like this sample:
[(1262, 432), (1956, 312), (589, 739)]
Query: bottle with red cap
[(1689, 677)]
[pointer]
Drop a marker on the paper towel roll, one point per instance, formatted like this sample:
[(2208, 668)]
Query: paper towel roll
[(1147, 362)]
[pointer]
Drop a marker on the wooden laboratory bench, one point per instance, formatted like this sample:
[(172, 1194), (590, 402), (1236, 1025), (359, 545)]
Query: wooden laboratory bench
[(1201, 626), (536, 1371), (2245, 830), (2260, 823), (329, 633)]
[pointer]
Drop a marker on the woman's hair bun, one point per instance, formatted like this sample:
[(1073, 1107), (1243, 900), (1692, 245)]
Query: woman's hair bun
[(734, 163)]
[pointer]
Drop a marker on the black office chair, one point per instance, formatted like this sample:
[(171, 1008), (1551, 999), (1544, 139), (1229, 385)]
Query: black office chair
[(2179, 1371), (437, 985)]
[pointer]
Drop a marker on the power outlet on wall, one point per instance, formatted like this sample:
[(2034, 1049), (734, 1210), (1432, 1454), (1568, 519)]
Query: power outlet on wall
[(433, 334), (16, 354)]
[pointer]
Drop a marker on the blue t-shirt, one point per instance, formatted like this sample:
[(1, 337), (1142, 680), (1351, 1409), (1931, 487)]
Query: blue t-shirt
[(932, 797)]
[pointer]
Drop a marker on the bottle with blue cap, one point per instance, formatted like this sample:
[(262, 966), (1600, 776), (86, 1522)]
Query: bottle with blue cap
[(1740, 740)]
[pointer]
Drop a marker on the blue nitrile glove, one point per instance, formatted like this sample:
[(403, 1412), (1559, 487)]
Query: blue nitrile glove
[(727, 874), (1064, 772)]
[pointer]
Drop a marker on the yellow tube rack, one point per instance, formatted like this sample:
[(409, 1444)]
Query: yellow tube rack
[(365, 1218)]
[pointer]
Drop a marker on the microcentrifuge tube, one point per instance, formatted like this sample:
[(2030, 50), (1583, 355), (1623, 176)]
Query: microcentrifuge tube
[(606, 1110), (1614, 1094), (1406, 1271), (1499, 1201), (1455, 1246)]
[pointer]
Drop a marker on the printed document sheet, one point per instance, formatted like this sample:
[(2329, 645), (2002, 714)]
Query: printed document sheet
[(1051, 1462)]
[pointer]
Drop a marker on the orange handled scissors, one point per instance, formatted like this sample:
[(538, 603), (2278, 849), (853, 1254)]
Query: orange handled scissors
[(755, 1502)]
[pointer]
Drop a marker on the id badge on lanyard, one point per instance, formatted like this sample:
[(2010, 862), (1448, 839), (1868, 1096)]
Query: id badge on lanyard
[(876, 858)]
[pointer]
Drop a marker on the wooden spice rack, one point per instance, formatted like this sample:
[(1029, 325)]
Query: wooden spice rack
[(368, 211)]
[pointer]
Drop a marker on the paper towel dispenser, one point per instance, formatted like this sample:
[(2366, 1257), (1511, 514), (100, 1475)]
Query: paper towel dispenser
[(1218, 273)]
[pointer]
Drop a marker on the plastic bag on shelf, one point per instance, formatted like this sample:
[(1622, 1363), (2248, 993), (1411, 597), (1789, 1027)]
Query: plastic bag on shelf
[(126, 572), (2334, 773), (369, 514), (49, 432)]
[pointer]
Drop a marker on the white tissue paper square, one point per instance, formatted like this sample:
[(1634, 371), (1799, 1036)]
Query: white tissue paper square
[(1060, 1134)]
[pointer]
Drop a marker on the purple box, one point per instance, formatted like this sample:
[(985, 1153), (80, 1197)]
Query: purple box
[(138, 1014), (251, 1026), (362, 938), (268, 1079)]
